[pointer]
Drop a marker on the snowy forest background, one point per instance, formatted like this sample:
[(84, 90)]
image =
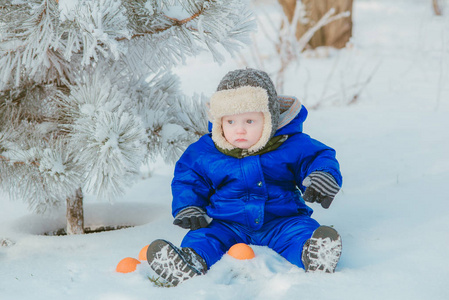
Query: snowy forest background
[(382, 102)]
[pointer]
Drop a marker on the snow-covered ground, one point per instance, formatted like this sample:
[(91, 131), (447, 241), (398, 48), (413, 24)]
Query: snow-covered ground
[(392, 213)]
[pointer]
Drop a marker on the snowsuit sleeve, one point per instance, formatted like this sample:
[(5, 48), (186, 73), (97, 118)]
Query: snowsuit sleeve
[(316, 157), (189, 186)]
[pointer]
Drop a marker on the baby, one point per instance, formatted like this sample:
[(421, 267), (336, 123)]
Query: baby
[(246, 182)]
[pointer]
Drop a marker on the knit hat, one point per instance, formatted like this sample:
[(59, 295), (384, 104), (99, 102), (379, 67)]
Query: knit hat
[(243, 91)]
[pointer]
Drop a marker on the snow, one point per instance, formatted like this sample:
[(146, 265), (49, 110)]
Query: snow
[(171, 133), (176, 12), (392, 144)]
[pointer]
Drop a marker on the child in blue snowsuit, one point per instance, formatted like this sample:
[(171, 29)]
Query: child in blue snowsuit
[(246, 182)]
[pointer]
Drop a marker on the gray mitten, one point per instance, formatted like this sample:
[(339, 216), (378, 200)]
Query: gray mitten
[(192, 218), (321, 188)]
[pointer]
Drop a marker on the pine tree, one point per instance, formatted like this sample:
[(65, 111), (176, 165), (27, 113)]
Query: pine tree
[(87, 93)]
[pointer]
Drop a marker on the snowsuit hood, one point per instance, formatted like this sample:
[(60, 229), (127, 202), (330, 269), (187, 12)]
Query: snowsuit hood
[(292, 116)]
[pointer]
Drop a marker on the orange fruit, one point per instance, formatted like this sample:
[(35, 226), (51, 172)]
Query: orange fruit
[(126, 265), (241, 251), (143, 253)]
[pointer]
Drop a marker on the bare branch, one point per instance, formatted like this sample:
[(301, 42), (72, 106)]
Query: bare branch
[(437, 7), (326, 19), (175, 22)]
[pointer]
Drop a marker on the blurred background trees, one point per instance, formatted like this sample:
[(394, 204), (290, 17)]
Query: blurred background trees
[(335, 34)]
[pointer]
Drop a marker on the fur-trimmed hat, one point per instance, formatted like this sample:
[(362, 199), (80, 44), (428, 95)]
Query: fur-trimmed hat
[(242, 91)]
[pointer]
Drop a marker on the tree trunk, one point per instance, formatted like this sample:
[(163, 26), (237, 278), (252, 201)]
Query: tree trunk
[(335, 34), (75, 213), (289, 8)]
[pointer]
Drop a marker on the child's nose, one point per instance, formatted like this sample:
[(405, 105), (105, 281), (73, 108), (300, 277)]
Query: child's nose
[(241, 129)]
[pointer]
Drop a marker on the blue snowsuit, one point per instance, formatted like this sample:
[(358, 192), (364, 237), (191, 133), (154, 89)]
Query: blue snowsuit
[(253, 200)]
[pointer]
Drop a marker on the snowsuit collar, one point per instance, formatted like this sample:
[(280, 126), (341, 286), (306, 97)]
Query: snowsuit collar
[(271, 145)]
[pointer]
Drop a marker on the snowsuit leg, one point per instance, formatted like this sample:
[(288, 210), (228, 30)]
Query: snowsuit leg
[(212, 242), (287, 236)]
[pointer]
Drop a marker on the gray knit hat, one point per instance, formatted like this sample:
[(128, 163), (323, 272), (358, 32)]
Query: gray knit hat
[(242, 91)]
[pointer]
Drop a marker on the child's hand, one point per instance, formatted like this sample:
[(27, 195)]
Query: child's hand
[(192, 218), (321, 188)]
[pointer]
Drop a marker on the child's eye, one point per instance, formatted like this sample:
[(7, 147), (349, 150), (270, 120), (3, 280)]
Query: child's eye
[(249, 121), (230, 121)]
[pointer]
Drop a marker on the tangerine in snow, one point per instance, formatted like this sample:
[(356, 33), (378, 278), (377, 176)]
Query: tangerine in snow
[(126, 265), (241, 251), (143, 253)]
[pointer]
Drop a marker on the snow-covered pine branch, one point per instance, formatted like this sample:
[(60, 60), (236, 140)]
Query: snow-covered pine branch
[(188, 121), (197, 25), (29, 43), (91, 94), (104, 131), (92, 29), (40, 173), (172, 120)]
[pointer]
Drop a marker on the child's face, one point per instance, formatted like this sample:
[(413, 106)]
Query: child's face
[(243, 130)]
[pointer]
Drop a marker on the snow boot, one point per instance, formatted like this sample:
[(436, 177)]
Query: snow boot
[(322, 251), (172, 264)]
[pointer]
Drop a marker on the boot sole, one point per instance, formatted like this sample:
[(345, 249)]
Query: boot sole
[(169, 263), (324, 250)]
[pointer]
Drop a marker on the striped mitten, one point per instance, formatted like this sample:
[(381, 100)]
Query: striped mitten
[(192, 218), (321, 188)]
